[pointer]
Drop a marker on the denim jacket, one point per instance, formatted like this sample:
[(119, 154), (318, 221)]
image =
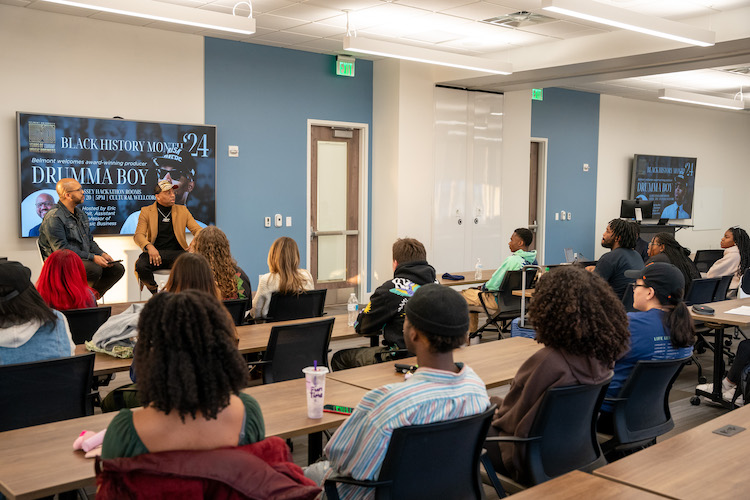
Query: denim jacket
[(63, 229), (50, 341)]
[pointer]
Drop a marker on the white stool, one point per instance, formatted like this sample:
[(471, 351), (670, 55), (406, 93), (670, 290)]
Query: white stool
[(161, 276)]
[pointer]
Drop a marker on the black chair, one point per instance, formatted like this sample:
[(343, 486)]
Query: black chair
[(46, 391), (640, 412), (438, 460), (722, 288), (308, 304), (237, 309), (702, 291), (509, 305), (704, 259), (562, 437), (85, 322), (294, 347)]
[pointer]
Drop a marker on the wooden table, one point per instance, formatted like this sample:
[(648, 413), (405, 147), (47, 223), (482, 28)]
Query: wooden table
[(576, 485), (721, 320), (39, 461), (694, 464), (469, 278), (253, 338), (529, 292), (496, 363)]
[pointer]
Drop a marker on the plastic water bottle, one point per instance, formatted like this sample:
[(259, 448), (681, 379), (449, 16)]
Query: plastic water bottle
[(352, 308), (478, 270)]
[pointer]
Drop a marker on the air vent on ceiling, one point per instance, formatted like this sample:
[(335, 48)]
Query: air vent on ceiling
[(519, 19), (740, 70)]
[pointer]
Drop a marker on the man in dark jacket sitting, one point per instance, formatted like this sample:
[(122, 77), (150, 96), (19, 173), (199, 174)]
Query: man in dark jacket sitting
[(385, 311)]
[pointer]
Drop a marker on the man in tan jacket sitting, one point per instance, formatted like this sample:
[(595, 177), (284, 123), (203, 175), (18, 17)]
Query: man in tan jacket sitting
[(161, 234)]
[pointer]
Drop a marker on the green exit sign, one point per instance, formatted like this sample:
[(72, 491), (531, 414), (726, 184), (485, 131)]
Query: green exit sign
[(345, 66), (536, 94)]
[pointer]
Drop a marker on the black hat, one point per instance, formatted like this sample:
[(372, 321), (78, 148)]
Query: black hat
[(179, 159), (438, 310), (664, 278), (680, 178), (16, 276)]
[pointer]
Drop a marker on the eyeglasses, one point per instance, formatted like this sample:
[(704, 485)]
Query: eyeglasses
[(46, 204), (636, 285), (74, 190), (174, 173)]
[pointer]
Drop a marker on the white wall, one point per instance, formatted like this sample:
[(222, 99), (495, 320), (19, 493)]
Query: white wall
[(719, 139), (58, 64)]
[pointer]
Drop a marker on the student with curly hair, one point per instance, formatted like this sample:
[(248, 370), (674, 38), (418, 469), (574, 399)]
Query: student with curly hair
[(285, 276), (664, 248), (584, 329), (62, 282), (189, 379), (620, 236), (736, 259), (213, 244)]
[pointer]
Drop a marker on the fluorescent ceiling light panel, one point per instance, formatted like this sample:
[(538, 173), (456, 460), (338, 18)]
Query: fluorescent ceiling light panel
[(629, 20), (168, 13), (410, 53), (703, 100)]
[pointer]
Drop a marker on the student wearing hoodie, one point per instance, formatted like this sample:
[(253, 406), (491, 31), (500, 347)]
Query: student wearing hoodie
[(29, 329), (384, 313), (520, 256)]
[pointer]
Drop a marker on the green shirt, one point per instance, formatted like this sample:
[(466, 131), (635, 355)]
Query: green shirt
[(122, 440), (514, 262)]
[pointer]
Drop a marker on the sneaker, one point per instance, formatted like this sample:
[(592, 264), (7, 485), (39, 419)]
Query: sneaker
[(705, 387), (725, 386), (728, 395)]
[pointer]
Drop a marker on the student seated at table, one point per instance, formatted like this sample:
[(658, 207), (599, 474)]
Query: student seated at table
[(520, 256), (62, 282), (584, 329), (213, 244), (189, 379), (285, 276), (661, 328), (436, 324), (384, 314), (664, 248), (29, 329), (736, 258), (620, 236)]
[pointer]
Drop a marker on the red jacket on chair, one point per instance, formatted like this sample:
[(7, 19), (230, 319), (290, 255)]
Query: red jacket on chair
[(256, 471)]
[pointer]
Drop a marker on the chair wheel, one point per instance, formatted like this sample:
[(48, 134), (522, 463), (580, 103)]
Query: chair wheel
[(695, 401), (702, 379)]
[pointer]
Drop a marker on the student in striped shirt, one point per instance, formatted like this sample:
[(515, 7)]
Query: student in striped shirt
[(436, 323)]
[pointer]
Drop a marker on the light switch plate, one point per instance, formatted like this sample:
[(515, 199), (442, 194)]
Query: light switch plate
[(288, 221)]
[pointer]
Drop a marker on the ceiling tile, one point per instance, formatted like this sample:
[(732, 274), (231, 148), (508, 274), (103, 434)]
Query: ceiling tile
[(433, 5), (554, 28), (270, 21), (318, 29), (16, 3), (351, 5), (479, 10), (435, 36), (306, 12)]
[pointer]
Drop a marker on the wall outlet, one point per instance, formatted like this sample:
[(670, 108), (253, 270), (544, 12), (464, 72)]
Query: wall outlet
[(570, 216), (562, 214), (277, 220), (267, 222), (288, 221), (585, 167)]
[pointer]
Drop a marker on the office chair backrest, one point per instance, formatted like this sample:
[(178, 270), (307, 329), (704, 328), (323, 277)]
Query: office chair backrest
[(237, 309), (85, 322), (566, 422), (643, 410), (744, 291), (294, 347), (438, 460), (722, 288), (702, 291), (512, 280), (308, 304), (46, 391), (704, 259)]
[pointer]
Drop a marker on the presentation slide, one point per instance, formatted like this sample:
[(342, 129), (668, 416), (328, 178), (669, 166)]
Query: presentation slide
[(669, 181), (118, 163)]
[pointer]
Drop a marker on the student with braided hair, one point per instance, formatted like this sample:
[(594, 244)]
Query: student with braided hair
[(665, 248), (189, 379), (620, 236), (736, 259)]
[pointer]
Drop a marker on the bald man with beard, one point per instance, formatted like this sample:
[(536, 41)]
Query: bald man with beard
[(43, 204)]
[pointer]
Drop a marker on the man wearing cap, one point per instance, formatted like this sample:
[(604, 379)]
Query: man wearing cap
[(67, 226), (436, 323), (676, 210), (178, 167), (161, 234)]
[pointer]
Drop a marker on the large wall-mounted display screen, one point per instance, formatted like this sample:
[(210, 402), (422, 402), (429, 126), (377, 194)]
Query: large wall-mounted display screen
[(669, 181), (118, 163)]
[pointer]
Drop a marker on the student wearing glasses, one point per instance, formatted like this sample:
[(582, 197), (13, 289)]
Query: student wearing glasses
[(66, 226), (661, 327)]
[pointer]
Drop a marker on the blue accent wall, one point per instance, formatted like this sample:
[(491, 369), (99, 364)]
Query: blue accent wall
[(261, 98), (570, 121)]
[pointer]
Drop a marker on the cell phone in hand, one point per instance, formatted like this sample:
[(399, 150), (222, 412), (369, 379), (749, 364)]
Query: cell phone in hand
[(113, 261), (342, 410)]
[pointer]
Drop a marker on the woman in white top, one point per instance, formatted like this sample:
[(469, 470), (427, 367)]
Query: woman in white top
[(736, 259), (285, 275)]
